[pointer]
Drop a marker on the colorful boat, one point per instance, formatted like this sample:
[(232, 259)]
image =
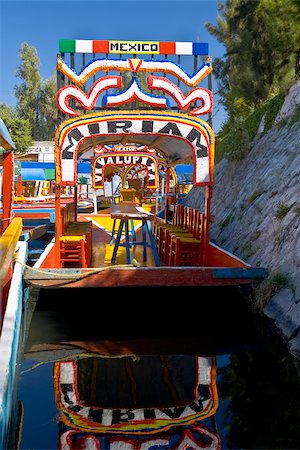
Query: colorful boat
[(11, 288), (147, 242), (147, 236)]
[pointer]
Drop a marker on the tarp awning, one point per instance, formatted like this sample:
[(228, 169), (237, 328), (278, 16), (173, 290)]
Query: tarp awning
[(184, 173), (33, 174), (39, 171)]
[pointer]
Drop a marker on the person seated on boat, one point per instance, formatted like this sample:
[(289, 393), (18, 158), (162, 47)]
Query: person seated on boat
[(116, 185), (107, 187)]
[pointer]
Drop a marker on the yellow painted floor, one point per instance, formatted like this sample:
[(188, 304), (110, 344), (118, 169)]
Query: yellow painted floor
[(102, 252), (136, 255), (105, 222)]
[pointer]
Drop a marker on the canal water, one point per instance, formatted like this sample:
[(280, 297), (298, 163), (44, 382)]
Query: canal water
[(199, 369)]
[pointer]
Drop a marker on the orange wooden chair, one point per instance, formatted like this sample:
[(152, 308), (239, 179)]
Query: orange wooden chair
[(73, 251)]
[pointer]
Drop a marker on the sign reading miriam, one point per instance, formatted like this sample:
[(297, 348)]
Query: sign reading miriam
[(195, 135)]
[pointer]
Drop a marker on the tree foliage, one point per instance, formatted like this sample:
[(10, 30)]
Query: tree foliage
[(36, 98), (27, 92), (47, 111), (262, 41), (20, 129)]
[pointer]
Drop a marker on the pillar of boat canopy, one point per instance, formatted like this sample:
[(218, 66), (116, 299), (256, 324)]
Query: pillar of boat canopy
[(7, 188), (206, 224), (19, 187), (58, 222), (168, 177)]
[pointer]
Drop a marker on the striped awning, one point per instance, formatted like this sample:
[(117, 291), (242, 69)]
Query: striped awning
[(184, 173)]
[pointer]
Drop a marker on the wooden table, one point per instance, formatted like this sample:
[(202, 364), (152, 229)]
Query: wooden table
[(128, 212)]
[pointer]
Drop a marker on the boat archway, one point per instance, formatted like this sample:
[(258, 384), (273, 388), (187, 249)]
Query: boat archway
[(178, 137), (148, 161)]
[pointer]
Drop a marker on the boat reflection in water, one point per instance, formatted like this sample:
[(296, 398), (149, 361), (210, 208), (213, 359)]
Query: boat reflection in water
[(147, 384), (136, 402)]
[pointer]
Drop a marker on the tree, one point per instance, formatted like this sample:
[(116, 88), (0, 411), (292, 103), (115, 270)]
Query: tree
[(27, 93), (36, 97), (47, 110), (20, 129), (262, 50)]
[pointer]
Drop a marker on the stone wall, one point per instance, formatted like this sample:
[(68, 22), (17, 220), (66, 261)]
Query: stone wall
[(256, 202)]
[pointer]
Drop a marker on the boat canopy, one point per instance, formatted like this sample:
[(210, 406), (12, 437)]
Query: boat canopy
[(178, 137), (5, 139)]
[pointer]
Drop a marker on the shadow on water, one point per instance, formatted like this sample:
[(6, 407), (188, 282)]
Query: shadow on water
[(150, 368), (209, 319)]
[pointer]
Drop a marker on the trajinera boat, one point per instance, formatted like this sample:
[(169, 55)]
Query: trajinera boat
[(131, 111), (147, 235), (11, 283)]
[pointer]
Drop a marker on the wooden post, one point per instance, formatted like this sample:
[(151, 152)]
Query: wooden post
[(58, 224), (168, 176), (7, 188), (19, 188), (206, 225), (75, 201), (210, 88)]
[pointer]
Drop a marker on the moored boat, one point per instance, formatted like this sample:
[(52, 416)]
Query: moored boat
[(145, 242), (146, 236), (11, 290)]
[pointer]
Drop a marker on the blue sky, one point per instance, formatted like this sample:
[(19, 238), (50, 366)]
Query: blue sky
[(41, 23)]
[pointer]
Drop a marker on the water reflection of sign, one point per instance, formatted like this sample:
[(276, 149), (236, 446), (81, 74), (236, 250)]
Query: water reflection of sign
[(195, 437), (125, 159), (191, 379)]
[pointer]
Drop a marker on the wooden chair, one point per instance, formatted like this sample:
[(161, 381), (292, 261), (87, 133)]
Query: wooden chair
[(82, 229), (185, 249), (128, 195), (179, 243), (73, 251)]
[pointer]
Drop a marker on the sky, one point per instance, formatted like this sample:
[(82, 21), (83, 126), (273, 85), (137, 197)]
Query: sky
[(42, 23)]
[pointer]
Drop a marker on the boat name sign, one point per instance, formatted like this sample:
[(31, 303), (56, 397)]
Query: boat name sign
[(194, 132)]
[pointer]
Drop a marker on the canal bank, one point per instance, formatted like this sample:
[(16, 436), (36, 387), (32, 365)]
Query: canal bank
[(256, 205)]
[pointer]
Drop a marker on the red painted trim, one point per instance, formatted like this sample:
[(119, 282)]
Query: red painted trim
[(75, 92), (100, 46), (154, 159), (167, 48), (7, 188)]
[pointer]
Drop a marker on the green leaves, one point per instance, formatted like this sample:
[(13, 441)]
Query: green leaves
[(36, 98), (262, 52)]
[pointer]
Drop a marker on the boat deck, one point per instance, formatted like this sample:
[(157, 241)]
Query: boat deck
[(223, 268), (103, 244)]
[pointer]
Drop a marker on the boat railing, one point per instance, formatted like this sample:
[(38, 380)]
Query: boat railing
[(8, 242), (68, 215), (74, 243), (11, 296), (180, 241)]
